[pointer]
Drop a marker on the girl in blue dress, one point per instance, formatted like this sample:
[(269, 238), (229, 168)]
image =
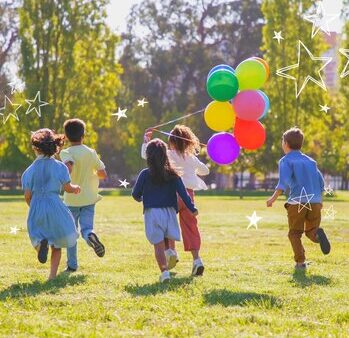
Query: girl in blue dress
[(50, 223)]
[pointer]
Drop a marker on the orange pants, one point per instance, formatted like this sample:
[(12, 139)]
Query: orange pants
[(189, 225), (307, 221)]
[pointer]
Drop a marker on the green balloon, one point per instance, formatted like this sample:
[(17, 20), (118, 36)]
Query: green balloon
[(222, 85), (251, 74)]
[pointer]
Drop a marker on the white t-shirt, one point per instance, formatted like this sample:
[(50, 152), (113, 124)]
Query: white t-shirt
[(189, 167)]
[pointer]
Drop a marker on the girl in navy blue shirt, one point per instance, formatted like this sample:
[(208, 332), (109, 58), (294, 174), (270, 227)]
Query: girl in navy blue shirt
[(157, 187)]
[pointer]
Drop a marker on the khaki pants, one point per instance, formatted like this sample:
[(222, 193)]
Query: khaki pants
[(307, 221)]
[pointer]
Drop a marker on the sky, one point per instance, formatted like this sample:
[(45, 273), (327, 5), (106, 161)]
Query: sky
[(119, 9)]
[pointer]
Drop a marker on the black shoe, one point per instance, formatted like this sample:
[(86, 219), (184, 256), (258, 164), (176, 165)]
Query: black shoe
[(69, 269), (43, 251), (97, 246), (324, 243)]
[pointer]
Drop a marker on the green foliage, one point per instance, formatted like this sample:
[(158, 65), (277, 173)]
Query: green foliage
[(68, 54), (342, 125), (287, 110), (168, 50)]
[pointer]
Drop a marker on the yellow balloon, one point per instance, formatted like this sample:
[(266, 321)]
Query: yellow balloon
[(220, 116)]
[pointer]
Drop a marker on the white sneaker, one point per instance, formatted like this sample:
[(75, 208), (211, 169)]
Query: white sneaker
[(171, 258), (198, 268), (165, 277)]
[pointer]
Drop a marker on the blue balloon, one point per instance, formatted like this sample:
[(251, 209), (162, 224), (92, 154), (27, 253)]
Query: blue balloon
[(222, 66), (267, 103)]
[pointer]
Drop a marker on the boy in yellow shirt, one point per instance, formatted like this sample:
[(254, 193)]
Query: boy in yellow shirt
[(86, 170)]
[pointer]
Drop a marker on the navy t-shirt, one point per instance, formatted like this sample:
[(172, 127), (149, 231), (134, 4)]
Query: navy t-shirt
[(160, 195)]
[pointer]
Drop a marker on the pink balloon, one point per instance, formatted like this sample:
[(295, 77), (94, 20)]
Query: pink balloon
[(249, 105)]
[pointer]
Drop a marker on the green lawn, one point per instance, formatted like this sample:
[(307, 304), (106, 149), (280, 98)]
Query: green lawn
[(249, 287)]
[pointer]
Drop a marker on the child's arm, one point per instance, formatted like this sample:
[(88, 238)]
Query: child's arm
[(285, 174), (28, 196), (273, 198), (321, 179), (147, 137), (102, 174), (71, 188), (137, 191), (201, 168), (185, 197), (69, 165)]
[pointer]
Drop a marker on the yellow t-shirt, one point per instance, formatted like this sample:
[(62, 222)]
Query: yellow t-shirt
[(85, 165)]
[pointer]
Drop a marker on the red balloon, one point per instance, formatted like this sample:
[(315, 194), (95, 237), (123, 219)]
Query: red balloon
[(249, 134)]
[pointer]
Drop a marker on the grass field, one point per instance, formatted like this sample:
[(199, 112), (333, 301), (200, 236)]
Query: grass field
[(249, 287)]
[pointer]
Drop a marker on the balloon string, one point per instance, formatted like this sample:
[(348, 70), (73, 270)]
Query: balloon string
[(177, 119), (182, 138)]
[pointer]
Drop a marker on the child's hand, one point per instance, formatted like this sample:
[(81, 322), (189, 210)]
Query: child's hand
[(148, 135), (195, 213), (270, 202), (77, 189)]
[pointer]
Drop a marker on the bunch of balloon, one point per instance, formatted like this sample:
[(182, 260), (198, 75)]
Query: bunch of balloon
[(239, 105)]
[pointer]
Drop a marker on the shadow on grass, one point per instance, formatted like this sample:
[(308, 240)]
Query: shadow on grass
[(301, 279), (156, 288), (229, 298), (11, 199), (37, 287)]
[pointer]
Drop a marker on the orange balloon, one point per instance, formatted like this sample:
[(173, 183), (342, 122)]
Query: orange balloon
[(265, 64)]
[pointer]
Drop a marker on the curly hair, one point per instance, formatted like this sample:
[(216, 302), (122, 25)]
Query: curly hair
[(159, 165), (184, 141), (47, 142)]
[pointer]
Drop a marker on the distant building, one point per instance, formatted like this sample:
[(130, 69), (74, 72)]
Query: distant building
[(331, 71)]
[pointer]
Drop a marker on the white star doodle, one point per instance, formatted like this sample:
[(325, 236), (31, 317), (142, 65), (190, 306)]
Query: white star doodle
[(278, 36), (142, 102), (254, 219), (16, 86), (301, 48), (330, 213), (35, 104), (345, 71), (9, 112), (299, 199), (14, 230), (124, 183), (324, 108), (320, 20), (328, 191), (121, 113)]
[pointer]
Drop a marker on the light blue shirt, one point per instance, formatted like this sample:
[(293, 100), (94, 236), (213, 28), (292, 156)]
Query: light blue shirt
[(298, 172)]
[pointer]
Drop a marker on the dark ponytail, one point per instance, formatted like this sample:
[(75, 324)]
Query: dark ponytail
[(47, 142)]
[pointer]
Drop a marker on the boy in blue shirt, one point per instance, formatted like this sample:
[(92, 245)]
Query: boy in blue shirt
[(299, 174)]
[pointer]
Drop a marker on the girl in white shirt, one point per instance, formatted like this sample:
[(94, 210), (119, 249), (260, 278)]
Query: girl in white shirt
[(183, 147)]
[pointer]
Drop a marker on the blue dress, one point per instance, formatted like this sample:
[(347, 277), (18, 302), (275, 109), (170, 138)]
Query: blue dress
[(49, 218)]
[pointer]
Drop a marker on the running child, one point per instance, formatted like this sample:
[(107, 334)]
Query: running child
[(157, 186), (49, 221), (183, 147), (299, 174), (86, 170)]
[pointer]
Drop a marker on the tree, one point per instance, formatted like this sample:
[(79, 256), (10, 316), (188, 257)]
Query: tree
[(168, 50), (342, 125), (8, 39), (287, 110), (68, 55)]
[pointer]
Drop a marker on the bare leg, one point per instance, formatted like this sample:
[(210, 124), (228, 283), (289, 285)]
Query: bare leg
[(160, 255), (55, 260), (195, 254), (170, 244)]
